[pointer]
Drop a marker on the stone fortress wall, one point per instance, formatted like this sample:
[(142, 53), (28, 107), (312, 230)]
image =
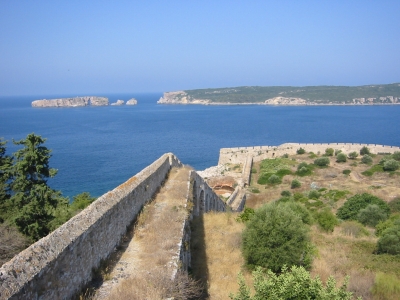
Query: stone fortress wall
[(240, 154), (61, 264)]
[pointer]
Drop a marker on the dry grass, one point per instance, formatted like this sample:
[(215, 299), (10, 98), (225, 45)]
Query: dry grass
[(157, 285), (216, 253), (11, 243)]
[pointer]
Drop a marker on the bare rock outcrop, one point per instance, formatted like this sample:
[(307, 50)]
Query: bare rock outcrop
[(132, 101), (71, 102), (119, 102), (180, 97), (285, 101)]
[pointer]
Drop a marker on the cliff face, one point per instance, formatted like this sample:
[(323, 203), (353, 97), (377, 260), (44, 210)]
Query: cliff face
[(71, 102), (132, 101), (180, 97)]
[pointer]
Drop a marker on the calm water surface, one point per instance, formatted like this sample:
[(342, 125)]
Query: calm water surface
[(97, 148)]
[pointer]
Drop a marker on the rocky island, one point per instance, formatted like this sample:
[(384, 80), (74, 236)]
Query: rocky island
[(71, 102), (288, 95), (79, 102)]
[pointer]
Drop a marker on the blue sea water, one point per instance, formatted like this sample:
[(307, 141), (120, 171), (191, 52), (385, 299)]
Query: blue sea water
[(97, 148)]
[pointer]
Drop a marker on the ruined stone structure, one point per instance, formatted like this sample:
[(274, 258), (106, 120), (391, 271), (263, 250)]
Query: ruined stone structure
[(60, 265)]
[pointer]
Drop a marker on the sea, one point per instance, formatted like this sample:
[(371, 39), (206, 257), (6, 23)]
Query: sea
[(97, 148)]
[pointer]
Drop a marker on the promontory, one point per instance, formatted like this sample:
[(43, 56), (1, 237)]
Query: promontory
[(288, 95), (71, 102)]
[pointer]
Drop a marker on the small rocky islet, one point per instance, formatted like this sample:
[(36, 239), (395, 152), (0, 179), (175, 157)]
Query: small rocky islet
[(80, 101)]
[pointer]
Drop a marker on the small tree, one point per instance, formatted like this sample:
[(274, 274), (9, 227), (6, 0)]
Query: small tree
[(396, 155), (353, 155), (322, 161), (341, 157), (366, 159), (329, 151), (337, 151), (33, 201), (391, 165), (274, 179), (5, 167), (276, 236), (353, 205), (365, 150), (295, 184), (326, 220), (395, 205), (301, 151), (389, 242), (371, 215)]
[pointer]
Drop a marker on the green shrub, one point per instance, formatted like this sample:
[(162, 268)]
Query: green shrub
[(246, 215), (341, 157), (286, 193), (396, 155), (263, 179), (299, 197), (276, 236), (314, 194), (346, 172), (372, 170), (326, 220), (294, 284), (282, 172), (329, 151), (254, 190), (353, 205), (301, 211), (303, 169), (274, 179), (365, 150), (312, 155), (322, 161), (300, 151), (389, 242), (382, 226), (336, 195), (366, 159), (385, 159), (353, 228), (391, 165), (295, 184), (395, 205), (285, 155), (353, 155), (253, 170), (371, 215), (386, 286), (337, 151)]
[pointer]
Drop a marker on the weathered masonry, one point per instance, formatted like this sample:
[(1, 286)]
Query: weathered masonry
[(59, 265)]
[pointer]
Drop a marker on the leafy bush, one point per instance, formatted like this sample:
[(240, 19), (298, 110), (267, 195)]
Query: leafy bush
[(337, 151), (353, 155), (301, 211), (295, 184), (336, 195), (286, 193), (303, 169), (246, 215), (395, 205), (341, 157), (396, 155), (329, 151), (276, 236), (294, 284), (365, 150), (326, 220), (322, 161), (285, 155), (353, 205), (391, 165), (253, 170), (312, 155), (366, 159), (263, 179), (371, 215), (314, 194), (372, 170), (353, 228), (274, 179), (299, 197), (282, 172), (300, 151), (389, 242), (346, 172), (382, 226)]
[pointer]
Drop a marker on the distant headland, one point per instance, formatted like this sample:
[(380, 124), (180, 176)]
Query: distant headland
[(288, 95), (79, 102)]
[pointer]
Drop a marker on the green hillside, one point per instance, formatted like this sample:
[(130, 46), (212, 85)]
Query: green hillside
[(316, 94)]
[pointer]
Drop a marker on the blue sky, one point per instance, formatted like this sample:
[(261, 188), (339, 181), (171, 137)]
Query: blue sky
[(85, 47)]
